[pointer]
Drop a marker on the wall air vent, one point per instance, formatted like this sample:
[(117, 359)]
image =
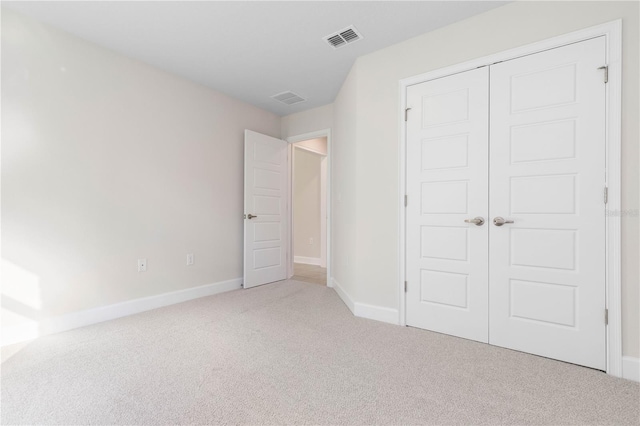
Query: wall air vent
[(343, 37), (288, 98)]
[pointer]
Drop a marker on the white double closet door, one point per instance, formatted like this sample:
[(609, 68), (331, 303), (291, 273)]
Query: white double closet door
[(506, 214)]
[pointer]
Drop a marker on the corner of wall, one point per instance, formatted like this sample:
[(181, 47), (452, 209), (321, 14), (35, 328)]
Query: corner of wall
[(631, 368)]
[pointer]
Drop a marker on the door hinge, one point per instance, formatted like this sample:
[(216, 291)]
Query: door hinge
[(406, 200), (606, 72), (606, 317), (406, 113), (606, 194), (405, 286)]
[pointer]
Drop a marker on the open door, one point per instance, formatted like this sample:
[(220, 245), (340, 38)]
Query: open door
[(265, 209)]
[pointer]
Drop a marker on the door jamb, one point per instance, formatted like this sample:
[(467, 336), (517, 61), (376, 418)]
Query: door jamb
[(291, 140), (613, 36)]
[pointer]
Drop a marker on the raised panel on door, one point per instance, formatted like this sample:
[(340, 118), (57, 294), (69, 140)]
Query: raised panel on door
[(265, 191), (547, 281), (447, 162)]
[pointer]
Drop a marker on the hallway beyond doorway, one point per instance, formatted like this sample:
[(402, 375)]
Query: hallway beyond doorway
[(309, 273)]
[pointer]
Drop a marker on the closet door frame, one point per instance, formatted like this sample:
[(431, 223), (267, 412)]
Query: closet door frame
[(612, 181)]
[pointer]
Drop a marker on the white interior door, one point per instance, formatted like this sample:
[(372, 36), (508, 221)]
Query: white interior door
[(265, 196), (547, 282), (447, 161)]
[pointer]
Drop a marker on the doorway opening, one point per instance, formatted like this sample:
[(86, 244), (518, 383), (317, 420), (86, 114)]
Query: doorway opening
[(309, 208)]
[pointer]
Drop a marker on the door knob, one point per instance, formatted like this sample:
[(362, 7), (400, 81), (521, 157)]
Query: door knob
[(478, 221), (499, 221), (251, 216)]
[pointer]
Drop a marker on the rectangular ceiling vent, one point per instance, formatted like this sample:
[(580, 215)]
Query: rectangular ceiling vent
[(288, 98), (343, 37)]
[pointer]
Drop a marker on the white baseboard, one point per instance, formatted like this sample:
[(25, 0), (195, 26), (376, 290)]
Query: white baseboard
[(363, 310), (377, 313), (33, 329), (631, 368), (330, 282), (307, 260), (343, 295)]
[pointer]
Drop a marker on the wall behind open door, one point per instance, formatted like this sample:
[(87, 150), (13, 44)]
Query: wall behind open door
[(306, 207)]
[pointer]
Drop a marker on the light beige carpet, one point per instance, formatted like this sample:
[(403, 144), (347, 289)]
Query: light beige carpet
[(291, 353)]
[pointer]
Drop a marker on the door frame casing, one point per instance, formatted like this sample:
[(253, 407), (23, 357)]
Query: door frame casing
[(292, 140), (613, 98)]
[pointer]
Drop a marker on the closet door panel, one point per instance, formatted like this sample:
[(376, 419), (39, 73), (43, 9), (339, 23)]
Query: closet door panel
[(447, 160), (547, 164)]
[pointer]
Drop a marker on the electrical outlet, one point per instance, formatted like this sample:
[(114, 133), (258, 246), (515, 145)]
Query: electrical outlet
[(142, 265), (190, 259), (310, 241)]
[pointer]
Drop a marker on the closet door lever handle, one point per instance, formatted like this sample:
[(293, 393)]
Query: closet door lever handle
[(499, 221), (478, 221)]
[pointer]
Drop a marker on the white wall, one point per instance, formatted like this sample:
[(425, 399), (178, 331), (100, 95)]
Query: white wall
[(106, 160), (306, 204), (365, 154), (343, 187), (312, 120)]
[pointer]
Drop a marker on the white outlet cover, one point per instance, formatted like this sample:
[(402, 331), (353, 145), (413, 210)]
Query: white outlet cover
[(190, 259), (142, 265)]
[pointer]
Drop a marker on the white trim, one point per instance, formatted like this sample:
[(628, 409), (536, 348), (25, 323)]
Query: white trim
[(613, 33), (362, 310), (343, 295), (323, 211), (631, 368), (291, 153), (311, 135), (33, 329), (299, 138), (307, 260), (402, 210), (377, 313)]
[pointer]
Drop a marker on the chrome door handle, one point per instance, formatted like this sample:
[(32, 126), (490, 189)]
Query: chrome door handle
[(251, 216), (499, 221), (478, 221)]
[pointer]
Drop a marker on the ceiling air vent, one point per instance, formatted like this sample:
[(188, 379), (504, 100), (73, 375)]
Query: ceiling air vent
[(343, 37), (288, 98)]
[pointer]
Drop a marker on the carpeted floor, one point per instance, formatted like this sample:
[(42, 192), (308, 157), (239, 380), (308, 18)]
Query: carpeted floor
[(292, 353)]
